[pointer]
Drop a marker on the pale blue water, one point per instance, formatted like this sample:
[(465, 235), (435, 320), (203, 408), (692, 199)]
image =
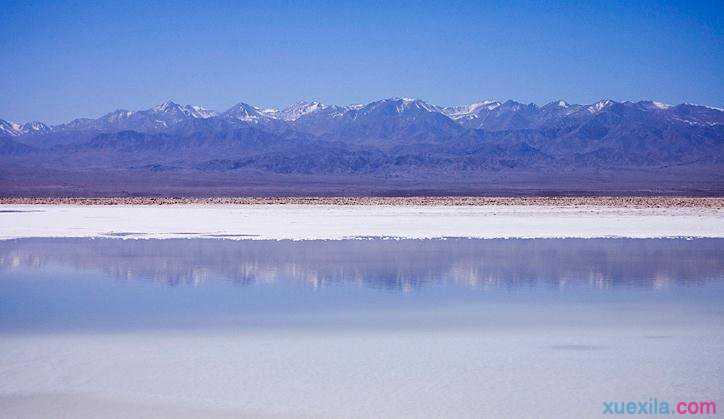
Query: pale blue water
[(362, 328), (111, 284)]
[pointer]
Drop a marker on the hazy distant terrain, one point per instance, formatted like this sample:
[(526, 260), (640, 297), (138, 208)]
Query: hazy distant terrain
[(388, 147)]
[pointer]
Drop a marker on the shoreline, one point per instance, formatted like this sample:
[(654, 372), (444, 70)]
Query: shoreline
[(716, 203), (317, 221)]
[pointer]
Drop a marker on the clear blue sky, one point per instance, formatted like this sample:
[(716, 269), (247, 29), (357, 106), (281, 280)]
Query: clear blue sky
[(65, 59)]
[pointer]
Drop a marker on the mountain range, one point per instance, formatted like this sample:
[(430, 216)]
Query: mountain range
[(389, 146)]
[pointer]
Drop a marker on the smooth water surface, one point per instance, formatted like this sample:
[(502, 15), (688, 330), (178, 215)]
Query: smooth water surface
[(359, 328)]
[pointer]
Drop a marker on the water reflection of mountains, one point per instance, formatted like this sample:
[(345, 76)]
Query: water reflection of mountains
[(388, 264)]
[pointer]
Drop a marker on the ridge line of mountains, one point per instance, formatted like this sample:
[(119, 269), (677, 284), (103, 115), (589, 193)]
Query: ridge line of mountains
[(642, 144), (480, 115)]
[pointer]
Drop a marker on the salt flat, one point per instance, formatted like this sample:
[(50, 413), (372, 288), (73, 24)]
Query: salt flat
[(555, 372), (334, 222)]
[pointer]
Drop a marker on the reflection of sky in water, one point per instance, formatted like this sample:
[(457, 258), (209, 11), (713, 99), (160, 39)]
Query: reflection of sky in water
[(115, 284)]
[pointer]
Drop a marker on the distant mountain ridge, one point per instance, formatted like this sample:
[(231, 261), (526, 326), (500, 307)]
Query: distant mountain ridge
[(486, 115), (395, 138)]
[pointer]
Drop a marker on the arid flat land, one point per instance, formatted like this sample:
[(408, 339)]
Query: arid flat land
[(605, 201)]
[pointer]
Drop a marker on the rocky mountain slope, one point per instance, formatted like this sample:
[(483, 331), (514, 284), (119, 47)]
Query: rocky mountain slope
[(397, 138)]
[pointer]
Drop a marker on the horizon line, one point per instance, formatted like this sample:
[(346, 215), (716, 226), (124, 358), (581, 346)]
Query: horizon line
[(313, 101)]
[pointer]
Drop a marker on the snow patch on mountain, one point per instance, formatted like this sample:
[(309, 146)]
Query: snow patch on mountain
[(200, 112), (486, 114), (270, 112), (10, 129), (246, 113), (171, 108), (407, 104), (660, 105), (299, 109), (34, 127), (471, 111), (599, 106)]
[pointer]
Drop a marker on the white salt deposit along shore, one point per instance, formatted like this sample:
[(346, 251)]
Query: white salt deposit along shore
[(310, 222)]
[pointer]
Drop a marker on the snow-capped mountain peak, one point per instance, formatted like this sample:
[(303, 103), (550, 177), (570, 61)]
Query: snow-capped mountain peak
[(401, 105), (653, 105), (14, 129), (661, 105), (415, 104), (170, 107), (167, 106), (599, 106), (472, 110), (486, 104), (34, 127), (484, 115), (299, 109), (396, 106), (10, 129), (557, 104), (245, 112)]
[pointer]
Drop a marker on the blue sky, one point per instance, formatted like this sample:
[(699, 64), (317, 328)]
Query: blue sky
[(66, 59)]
